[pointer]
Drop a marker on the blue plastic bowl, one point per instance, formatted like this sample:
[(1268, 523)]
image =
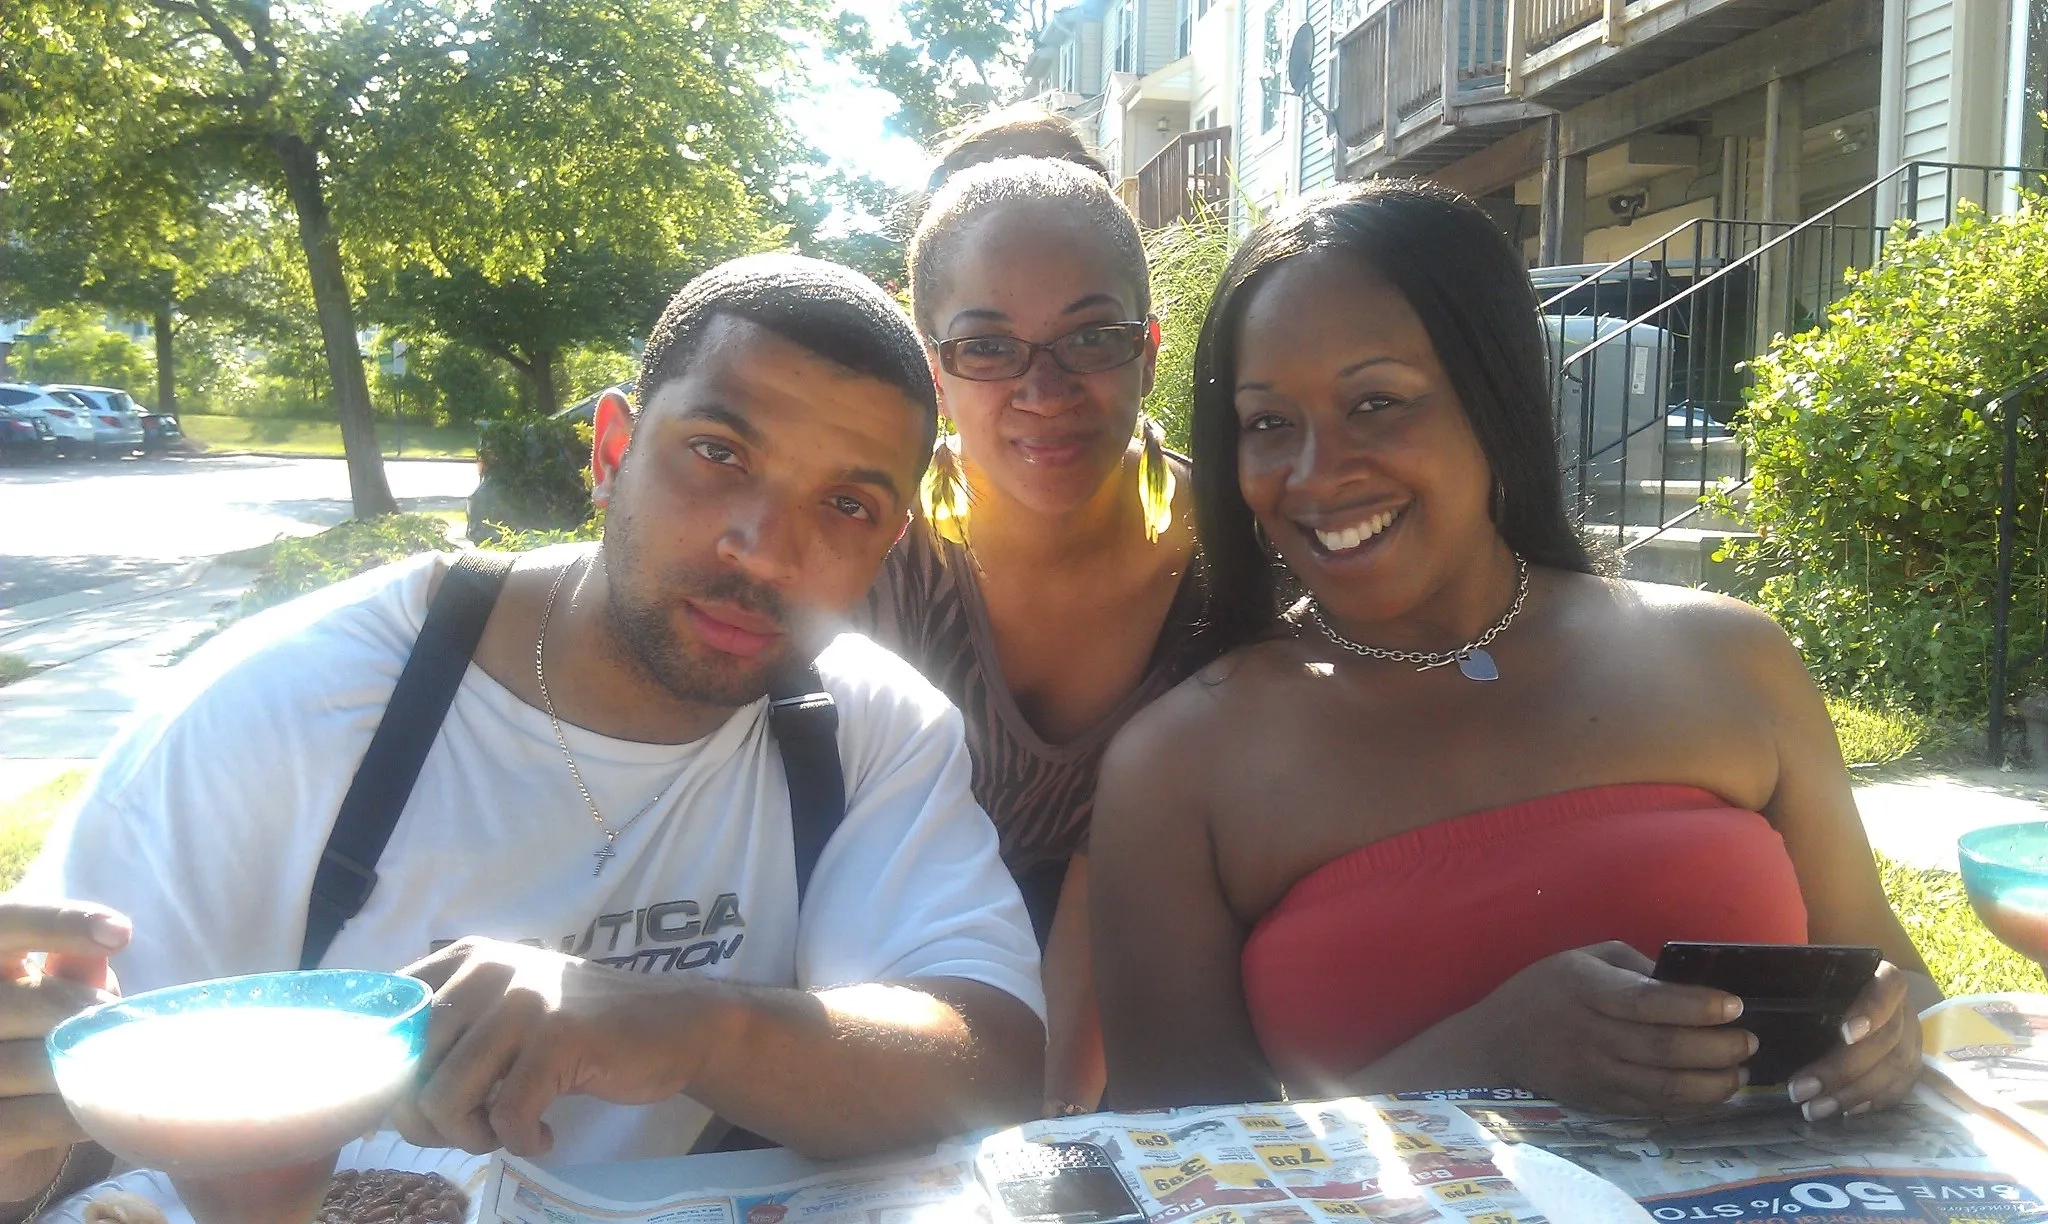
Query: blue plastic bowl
[(224, 1144), (2005, 871)]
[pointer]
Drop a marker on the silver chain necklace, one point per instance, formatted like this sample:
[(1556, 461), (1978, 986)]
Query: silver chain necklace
[(1473, 660), (604, 854)]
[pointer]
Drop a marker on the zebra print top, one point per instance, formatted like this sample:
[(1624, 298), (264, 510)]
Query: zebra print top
[(927, 608)]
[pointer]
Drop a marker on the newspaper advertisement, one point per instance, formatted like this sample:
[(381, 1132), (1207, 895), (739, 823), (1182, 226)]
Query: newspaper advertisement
[(1994, 1050), (939, 1189), (1922, 1160), (1346, 1160)]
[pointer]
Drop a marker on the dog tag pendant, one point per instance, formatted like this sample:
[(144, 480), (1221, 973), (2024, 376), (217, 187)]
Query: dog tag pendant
[(1476, 664)]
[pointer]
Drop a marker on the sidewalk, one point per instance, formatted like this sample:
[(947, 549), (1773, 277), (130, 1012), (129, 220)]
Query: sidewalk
[(102, 651)]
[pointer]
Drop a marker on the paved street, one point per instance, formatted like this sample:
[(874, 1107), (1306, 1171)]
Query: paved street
[(70, 527)]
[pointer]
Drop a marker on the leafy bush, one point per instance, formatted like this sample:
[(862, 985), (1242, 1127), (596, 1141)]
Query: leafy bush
[(1877, 471), (537, 473), (1187, 260), (296, 566), (74, 344)]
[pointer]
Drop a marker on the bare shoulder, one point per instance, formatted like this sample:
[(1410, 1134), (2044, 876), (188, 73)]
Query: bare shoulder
[(1189, 742), (1705, 628)]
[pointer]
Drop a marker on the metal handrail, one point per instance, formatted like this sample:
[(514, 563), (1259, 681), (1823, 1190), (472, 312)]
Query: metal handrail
[(1631, 257), (2007, 409), (1756, 256)]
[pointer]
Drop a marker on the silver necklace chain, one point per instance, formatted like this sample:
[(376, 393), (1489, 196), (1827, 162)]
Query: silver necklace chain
[(604, 853), (1424, 661)]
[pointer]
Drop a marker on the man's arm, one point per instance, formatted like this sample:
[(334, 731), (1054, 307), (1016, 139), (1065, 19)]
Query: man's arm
[(831, 1073)]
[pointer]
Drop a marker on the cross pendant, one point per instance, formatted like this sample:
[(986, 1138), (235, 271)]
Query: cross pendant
[(604, 854)]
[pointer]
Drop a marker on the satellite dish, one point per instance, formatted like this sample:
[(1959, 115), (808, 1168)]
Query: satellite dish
[(1301, 54), (1301, 75)]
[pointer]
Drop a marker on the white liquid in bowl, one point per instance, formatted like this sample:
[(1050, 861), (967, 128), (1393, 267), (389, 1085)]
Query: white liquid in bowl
[(238, 1088)]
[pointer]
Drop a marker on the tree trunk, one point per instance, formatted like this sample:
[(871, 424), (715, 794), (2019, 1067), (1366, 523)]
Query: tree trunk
[(166, 372), (546, 390), (367, 487)]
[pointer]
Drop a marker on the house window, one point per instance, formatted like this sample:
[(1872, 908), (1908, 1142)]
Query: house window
[(1201, 8), (2033, 139), (1125, 28), (1269, 69)]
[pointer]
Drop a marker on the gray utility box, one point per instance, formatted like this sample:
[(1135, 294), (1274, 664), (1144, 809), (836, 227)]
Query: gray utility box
[(1611, 407)]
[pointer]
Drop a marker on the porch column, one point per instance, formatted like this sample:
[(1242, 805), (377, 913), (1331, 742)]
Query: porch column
[(1562, 227), (1784, 124)]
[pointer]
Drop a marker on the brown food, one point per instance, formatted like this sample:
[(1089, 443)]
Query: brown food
[(387, 1196)]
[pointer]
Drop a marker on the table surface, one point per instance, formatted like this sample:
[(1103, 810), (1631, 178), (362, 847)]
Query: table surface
[(641, 1180)]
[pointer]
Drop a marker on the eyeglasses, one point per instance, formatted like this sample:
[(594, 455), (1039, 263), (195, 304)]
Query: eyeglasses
[(1085, 350)]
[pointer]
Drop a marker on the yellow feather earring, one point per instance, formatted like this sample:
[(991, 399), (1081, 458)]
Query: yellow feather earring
[(1155, 480), (944, 494)]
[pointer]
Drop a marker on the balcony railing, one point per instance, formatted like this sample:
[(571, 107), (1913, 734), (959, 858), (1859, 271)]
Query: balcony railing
[(1408, 60), (1544, 22), (1191, 172)]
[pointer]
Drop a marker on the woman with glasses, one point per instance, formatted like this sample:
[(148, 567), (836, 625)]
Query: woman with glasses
[(1048, 589), (1428, 823)]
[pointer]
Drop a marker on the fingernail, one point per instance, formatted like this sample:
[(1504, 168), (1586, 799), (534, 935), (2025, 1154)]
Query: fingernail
[(1855, 1029), (1823, 1108), (1863, 1108), (1742, 1077), (109, 930), (1731, 1008), (1754, 1046), (1802, 1088)]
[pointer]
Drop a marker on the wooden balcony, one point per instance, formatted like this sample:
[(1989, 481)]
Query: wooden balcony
[(1191, 173), (1568, 52), (1423, 82)]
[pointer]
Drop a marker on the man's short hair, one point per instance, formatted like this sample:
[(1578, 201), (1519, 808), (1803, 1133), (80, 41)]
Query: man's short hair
[(830, 311)]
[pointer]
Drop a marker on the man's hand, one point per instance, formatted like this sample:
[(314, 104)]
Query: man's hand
[(75, 939), (514, 1027), (1591, 1028)]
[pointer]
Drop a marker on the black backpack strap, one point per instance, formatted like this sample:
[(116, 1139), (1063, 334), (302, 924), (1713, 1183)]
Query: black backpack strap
[(806, 728), (411, 723)]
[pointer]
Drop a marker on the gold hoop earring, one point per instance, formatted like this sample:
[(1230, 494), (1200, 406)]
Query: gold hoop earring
[(1155, 480), (944, 495)]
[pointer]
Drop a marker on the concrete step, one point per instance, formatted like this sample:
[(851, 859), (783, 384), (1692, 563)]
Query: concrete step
[(1681, 556), (1716, 458), (1652, 503)]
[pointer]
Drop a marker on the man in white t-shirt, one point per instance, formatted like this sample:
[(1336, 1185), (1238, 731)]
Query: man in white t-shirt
[(595, 867)]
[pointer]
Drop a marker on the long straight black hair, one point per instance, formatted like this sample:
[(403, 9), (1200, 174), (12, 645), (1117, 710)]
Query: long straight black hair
[(1472, 292)]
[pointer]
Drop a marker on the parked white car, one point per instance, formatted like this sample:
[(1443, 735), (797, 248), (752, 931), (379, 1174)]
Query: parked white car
[(116, 421), (68, 416)]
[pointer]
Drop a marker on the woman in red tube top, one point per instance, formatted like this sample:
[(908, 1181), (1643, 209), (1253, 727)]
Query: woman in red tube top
[(1427, 824)]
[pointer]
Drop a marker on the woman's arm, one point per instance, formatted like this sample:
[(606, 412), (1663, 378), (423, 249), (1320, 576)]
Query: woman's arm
[(1073, 1048), (1814, 809), (1174, 1024)]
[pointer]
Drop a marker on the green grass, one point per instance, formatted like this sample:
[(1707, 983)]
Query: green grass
[(1879, 734), (296, 437), (12, 668), (24, 821), (1963, 956)]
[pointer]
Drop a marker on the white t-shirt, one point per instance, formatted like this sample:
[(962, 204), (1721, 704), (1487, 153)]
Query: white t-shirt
[(208, 817)]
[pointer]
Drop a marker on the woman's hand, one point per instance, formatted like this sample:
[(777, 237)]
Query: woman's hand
[(1878, 1060), (1591, 1028)]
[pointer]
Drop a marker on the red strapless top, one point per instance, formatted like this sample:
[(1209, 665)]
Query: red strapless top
[(1372, 948)]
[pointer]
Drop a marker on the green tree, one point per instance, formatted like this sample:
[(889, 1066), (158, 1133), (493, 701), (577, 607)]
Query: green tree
[(961, 57), (262, 95), (551, 173)]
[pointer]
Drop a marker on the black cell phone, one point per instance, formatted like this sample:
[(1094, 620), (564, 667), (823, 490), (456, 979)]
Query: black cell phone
[(1060, 1183), (1793, 995)]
